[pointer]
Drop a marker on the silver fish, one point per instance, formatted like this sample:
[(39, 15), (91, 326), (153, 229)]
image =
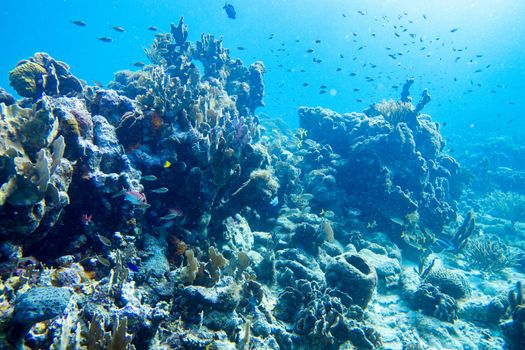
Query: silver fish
[(149, 177), (160, 190), (104, 240), (170, 216)]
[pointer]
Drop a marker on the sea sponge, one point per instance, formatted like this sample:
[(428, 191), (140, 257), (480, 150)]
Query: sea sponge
[(352, 274), (26, 79)]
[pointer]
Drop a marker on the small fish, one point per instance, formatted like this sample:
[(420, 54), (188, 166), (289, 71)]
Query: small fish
[(424, 16), (305, 84), (102, 260), (322, 92), (144, 206), (167, 164), (132, 267), (119, 193), (397, 221), (318, 41), (310, 50), (328, 231), (134, 197), (453, 30), (79, 23), (362, 13), (353, 74), (170, 217), (139, 64), (307, 196), (274, 202), (152, 28), (118, 29), (240, 48), (149, 178), (160, 190), (105, 39), (230, 10), (339, 69), (105, 241)]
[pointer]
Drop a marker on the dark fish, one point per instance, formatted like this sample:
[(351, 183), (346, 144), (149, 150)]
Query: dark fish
[(356, 89), (105, 39), (118, 29), (310, 50), (139, 64), (318, 41), (322, 87), (240, 48), (79, 23), (339, 69), (322, 92), (132, 267), (344, 15), (341, 55), (424, 16), (453, 30), (305, 84), (361, 12), (353, 74), (152, 28), (230, 10)]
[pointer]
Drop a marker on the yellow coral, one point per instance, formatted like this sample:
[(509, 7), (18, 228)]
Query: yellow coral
[(25, 77)]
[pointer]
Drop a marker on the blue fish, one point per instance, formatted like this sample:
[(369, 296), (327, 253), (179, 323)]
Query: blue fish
[(132, 267), (230, 10)]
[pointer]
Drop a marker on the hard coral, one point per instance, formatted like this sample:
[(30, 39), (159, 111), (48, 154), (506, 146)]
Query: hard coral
[(41, 73)]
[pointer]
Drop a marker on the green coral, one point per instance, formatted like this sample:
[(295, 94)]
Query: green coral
[(26, 79)]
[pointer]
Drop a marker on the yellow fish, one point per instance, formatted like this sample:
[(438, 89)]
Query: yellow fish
[(167, 164)]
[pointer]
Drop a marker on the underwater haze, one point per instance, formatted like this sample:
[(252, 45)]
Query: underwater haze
[(262, 174)]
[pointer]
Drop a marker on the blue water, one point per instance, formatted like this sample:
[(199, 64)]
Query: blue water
[(471, 103)]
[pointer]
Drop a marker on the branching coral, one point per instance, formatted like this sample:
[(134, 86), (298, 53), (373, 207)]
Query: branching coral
[(514, 330), (489, 254)]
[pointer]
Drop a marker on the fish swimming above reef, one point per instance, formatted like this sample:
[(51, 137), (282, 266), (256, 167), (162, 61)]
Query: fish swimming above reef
[(152, 28), (230, 10), (118, 29), (105, 39), (79, 23)]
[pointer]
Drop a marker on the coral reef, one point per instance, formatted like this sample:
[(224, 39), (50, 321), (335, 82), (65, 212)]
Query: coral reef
[(415, 184), (162, 212)]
